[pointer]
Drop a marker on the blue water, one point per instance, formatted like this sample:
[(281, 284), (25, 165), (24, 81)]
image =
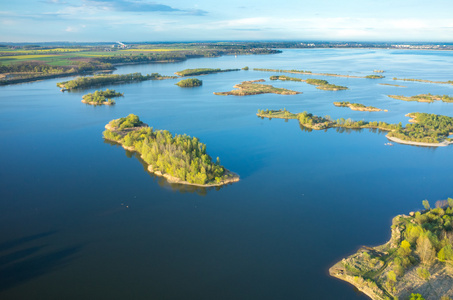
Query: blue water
[(82, 219)]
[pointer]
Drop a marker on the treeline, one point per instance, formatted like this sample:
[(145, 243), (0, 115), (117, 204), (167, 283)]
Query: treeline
[(202, 71), (190, 82), (101, 97), (429, 128), (98, 80), (180, 156)]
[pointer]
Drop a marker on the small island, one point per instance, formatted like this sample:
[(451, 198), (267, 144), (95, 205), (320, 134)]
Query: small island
[(311, 73), (416, 263), (178, 158), (378, 71), (247, 88), (426, 129), (423, 98), (101, 97), (374, 76), (202, 71), (357, 106), (189, 82), (321, 84), (424, 80), (100, 80), (395, 85)]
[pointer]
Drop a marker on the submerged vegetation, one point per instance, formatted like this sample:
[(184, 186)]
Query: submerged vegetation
[(179, 158), (321, 84), (420, 250), (247, 88), (202, 71), (429, 129), (357, 106), (423, 98), (99, 80), (189, 82), (101, 97)]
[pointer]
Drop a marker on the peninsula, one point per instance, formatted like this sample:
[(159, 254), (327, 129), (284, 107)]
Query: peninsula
[(101, 97), (426, 129), (178, 158), (357, 106), (416, 263), (100, 80), (202, 71), (247, 88), (321, 84), (424, 98)]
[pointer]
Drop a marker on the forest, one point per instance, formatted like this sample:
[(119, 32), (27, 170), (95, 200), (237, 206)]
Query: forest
[(180, 156), (202, 71)]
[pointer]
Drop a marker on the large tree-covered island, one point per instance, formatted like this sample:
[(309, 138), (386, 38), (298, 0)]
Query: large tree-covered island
[(179, 158), (202, 71), (100, 80), (423, 98), (416, 263), (427, 129)]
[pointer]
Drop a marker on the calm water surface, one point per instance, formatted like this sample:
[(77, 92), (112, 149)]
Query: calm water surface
[(82, 219)]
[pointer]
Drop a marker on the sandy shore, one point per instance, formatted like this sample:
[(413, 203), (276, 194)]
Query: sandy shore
[(400, 141)]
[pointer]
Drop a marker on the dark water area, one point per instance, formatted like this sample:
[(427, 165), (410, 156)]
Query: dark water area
[(81, 218)]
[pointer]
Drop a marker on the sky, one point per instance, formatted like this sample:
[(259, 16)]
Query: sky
[(177, 20)]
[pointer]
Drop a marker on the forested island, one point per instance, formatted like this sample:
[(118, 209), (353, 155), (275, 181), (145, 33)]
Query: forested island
[(426, 130), (101, 97), (416, 263), (100, 80), (357, 106), (189, 82), (179, 158), (202, 71), (311, 73), (423, 98), (321, 84), (374, 76), (247, 88)]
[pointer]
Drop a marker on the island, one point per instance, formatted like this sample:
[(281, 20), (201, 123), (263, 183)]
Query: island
[(321, 84), (416, 263), (100, 80), (178, 158), (357, 106), (101, 97), (424, 80), (251, 87), (311, 73), (202, 71), (426, 129), (374, 76), (389, 84), (423, 98), (378, 71), (189, 82)]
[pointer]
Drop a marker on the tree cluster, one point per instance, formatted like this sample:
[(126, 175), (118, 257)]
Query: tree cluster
[(99, 96), (180, 156)]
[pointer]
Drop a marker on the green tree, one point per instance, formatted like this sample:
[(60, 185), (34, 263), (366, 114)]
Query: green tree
[(426, 204), (416, 297)]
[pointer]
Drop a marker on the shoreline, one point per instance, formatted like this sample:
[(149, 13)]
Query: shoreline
[(232, 177), (400, 141)]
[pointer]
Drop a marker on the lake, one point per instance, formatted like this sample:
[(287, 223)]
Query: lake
[(82, 219)]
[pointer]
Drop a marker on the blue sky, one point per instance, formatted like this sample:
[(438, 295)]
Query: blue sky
[(176, 20)]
